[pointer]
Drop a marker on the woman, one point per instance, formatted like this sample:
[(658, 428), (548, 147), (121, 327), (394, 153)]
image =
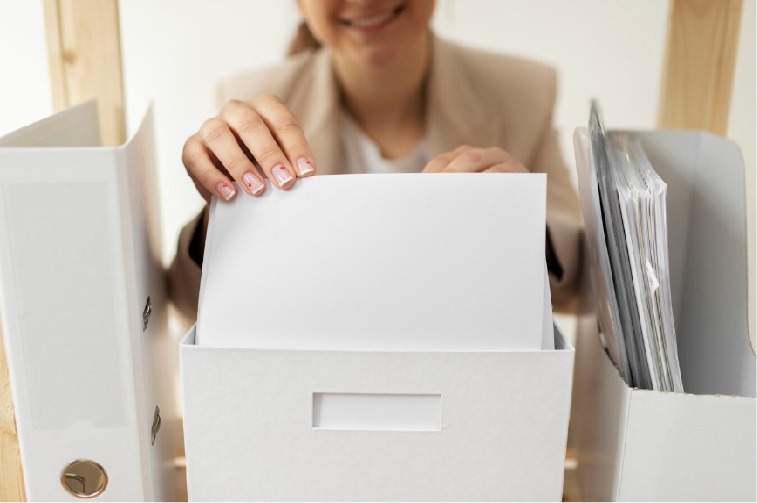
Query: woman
[(370, 88)]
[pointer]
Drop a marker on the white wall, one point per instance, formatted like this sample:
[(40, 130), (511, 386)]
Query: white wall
[(173, 52), (24, 76)]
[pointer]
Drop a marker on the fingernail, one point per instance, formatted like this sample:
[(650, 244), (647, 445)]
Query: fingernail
[(225, 190), (253, 183), (281, 174), (305, 166)]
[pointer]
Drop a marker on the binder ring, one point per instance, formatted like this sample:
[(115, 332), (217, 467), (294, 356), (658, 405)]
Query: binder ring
[(156, 422), (146, 314), (84, 478)]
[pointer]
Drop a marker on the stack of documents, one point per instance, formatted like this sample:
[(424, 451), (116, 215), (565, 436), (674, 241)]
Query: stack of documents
[(638, 321)]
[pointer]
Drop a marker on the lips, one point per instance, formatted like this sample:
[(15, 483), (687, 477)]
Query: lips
[(373, 20)]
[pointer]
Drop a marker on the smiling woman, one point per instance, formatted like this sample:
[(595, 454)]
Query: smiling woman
[(374, 22), (369, 33), (371, 89)]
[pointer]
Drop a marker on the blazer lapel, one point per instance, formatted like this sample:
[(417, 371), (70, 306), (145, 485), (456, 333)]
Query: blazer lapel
[(316, 106), (455, 115)]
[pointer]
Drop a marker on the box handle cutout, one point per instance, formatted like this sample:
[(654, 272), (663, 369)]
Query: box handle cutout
[(377, 411)]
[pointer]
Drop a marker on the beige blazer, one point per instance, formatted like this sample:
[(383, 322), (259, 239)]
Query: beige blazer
[(475, 98)]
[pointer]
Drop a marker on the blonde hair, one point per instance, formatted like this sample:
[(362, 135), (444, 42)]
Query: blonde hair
[(303, 40)]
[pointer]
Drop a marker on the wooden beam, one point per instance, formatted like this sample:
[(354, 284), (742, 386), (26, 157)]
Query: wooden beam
[(84, 53), (700, 59), (11, 474)]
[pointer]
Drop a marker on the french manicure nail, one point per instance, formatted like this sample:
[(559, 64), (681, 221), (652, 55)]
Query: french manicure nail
[(253, 183), (225, 190), (305, 166), (281, 174)]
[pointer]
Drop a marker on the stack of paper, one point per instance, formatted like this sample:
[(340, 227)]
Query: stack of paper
[(639, 325), (404, 262), (642, 196)]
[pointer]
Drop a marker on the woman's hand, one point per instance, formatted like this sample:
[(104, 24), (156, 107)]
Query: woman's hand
[(467, 159), (246, 143)]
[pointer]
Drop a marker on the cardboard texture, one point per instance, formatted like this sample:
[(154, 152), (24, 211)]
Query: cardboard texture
[(640, 445), (79, 255), (249, 434)]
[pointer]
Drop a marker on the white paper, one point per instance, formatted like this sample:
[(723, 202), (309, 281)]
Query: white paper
[(379, 262)]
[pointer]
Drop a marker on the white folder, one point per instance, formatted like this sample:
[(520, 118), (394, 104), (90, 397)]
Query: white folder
[(83, 307)]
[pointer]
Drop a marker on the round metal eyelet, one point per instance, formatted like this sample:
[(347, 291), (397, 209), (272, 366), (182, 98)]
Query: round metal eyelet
[(84, 479)]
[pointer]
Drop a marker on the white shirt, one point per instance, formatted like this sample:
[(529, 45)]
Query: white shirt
[(362, 155)]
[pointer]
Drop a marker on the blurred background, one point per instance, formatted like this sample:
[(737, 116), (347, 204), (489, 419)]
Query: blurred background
[(173, 52)]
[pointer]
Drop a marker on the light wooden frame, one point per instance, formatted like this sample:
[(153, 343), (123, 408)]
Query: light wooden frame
[(700, 61), (84, 54)]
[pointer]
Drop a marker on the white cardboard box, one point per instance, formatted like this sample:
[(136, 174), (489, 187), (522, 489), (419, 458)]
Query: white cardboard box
[(266, 424), (79, 257), (644, 445), (277, 408)]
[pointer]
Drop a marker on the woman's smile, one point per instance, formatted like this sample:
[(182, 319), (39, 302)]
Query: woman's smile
[(372, 22)]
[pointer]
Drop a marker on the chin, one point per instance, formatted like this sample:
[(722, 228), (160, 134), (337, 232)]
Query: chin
[(376, 57)]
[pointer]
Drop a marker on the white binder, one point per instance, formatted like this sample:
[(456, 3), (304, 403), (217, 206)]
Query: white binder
[(84, 310)]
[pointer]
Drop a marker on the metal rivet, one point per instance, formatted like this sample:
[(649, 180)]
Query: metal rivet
[(156, 422), (84, 479), (146, 314)]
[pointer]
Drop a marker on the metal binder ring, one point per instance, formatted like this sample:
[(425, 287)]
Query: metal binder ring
[(156, 422), (84, 479), (146, 314)]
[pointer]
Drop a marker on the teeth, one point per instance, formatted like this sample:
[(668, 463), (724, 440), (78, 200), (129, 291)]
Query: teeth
[(372, 21)]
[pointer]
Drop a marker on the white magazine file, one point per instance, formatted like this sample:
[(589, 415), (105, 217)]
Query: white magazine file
[(699, 445), (88, 354)]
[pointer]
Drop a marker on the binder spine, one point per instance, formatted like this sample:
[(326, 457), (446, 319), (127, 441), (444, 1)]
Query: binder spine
[(68, 328)]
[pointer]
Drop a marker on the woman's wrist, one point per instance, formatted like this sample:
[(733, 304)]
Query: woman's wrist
[(197, 243), (553, 265)]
